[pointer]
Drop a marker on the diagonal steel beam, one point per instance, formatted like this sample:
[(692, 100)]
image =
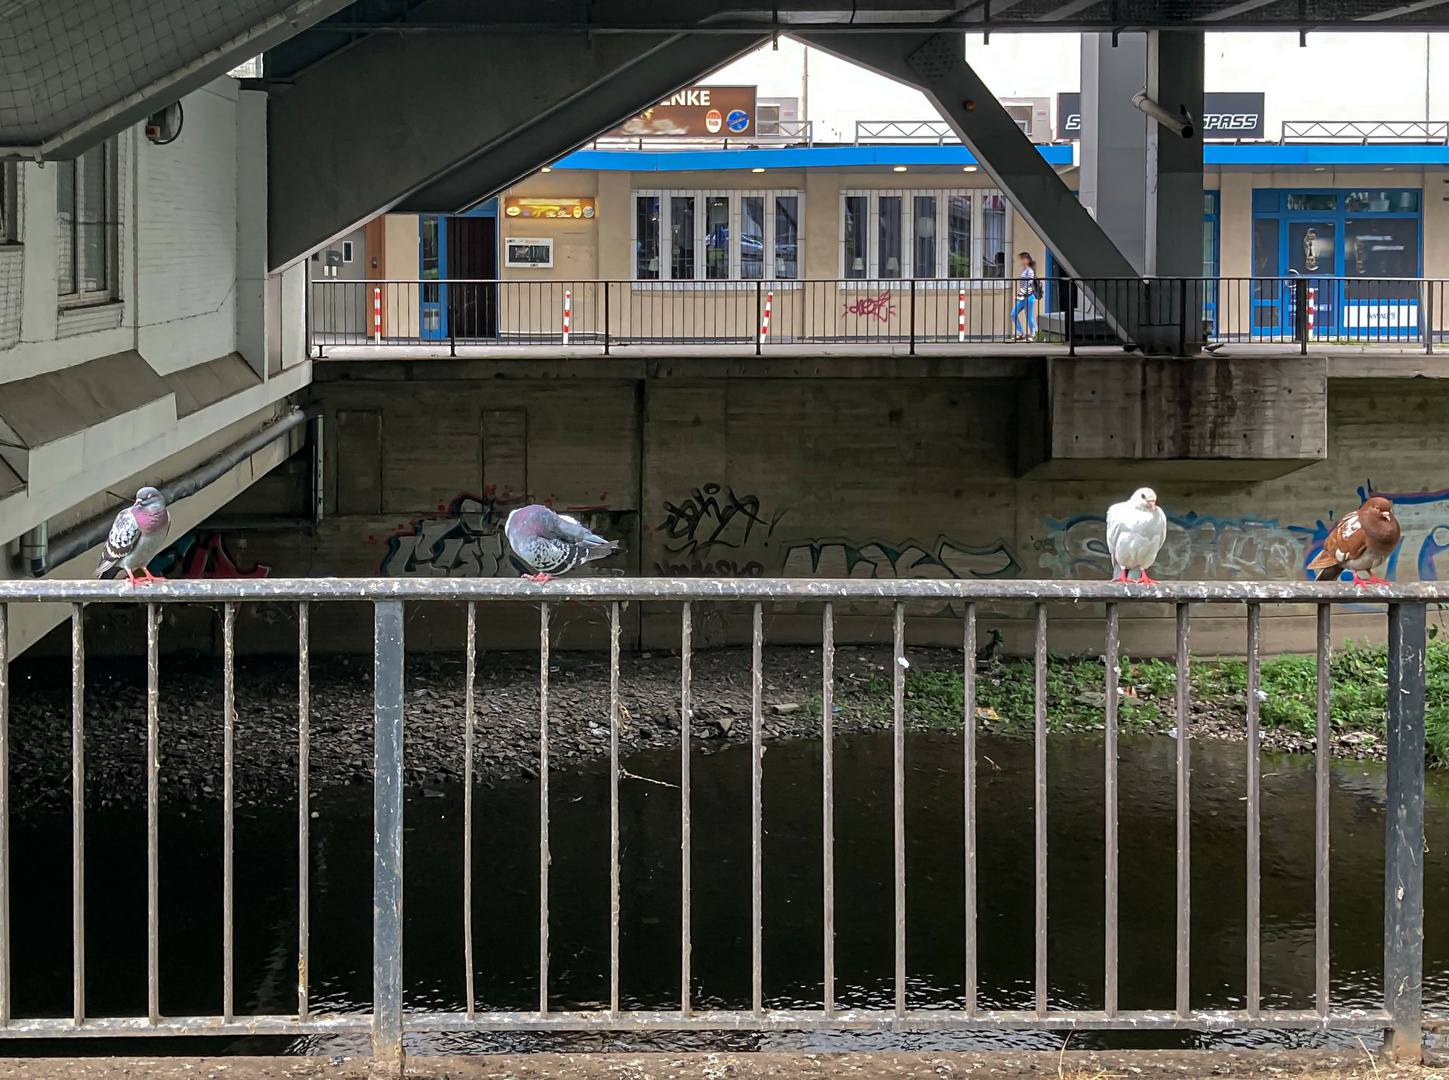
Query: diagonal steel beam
[(418, 123), (936, 65)]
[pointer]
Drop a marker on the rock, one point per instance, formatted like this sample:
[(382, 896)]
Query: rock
[(785, 708)]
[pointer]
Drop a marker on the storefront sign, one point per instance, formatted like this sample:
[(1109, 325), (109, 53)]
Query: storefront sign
[(1402, 315), (699, 112), (528, 206), (1225, 116)]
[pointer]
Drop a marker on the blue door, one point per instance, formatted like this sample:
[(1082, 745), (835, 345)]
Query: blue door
[(432, 258)]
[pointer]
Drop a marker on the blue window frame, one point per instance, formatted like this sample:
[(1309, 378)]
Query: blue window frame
[(1333, 236)]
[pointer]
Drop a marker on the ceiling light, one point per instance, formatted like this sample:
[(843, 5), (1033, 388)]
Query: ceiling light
[(545, 169), (1318, 168), (968, 168), (1388, 168), (899, 168), (757, 169)]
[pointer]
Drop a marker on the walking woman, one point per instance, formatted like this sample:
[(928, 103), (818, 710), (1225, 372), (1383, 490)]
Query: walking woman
[(1028, 289)]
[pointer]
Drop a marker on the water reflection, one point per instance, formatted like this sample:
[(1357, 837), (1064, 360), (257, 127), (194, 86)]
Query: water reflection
[(505, 922)]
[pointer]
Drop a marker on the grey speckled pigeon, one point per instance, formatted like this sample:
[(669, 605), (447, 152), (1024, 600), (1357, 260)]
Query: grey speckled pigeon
[(137, 536), (552, 543)]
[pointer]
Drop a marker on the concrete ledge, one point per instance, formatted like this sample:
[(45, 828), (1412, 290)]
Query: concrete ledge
[(1352, 1064)]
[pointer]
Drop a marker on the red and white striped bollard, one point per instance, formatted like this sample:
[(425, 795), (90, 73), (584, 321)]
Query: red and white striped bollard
[(765, 322), (961, 315), (568, 315), (377, 314)]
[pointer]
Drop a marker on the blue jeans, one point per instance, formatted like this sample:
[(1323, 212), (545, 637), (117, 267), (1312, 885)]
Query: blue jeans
[(1028, 305)]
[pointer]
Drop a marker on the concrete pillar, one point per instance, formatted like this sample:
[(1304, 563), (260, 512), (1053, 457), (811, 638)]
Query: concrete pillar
[(1113, 184), (1174, 164)]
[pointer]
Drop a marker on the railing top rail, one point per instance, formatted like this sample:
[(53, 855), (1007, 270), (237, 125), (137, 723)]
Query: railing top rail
[(646, 588), (767, 283)]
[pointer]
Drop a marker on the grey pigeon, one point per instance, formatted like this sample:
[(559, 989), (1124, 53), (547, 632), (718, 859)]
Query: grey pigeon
[(137, 536), (552, 543), (1135, 532)]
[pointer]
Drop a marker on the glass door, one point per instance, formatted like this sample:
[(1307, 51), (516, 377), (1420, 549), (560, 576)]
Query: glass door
[(1313, 253), (432, 299)]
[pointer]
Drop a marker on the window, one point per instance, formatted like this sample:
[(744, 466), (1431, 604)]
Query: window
[(9, 202), (1312, 200), (86, 225), (716, 235), (994, 240), (1403, 201), (347, 251), (925, 235)]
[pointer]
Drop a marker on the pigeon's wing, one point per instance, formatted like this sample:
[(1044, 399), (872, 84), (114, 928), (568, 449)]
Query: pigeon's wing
[(1156, 532), (1346, 541), (125, 534), (572, 528), (547, 554), (1116, 526)]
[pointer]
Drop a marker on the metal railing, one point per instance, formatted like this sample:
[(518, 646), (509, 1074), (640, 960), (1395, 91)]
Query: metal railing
[(1186, 313), (905, 132), (1365, 131), (1400, 1015)]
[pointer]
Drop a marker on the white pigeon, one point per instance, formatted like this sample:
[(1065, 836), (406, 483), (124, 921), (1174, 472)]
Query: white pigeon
[(137, 536), (1135, 532)]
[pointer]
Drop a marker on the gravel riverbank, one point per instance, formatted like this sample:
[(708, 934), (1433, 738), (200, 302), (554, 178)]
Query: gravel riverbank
[(507, 709)]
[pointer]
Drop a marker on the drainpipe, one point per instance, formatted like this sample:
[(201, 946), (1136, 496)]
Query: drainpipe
[(84, 537), (34, 545)]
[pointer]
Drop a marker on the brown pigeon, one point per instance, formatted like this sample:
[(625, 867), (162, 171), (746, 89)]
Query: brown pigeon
[(1362, 540)]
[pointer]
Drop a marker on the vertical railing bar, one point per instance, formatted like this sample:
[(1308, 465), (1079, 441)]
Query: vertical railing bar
[(898, 710), (543, 854), (228, 803), (78, 812), (469, 722), (1322, 761), (686, 871), (5, 1003), (389, 653), (757, 1001), (153, 824), (1113, 660), (614, 807), (1254, 931), (304, 826), (968, 784), (1184, 835), (827, 794), (1040, 806)]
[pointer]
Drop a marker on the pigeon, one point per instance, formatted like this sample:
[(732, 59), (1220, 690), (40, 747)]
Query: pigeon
[(552, 543), (1362, 540), (137, 536), (1135, 532)]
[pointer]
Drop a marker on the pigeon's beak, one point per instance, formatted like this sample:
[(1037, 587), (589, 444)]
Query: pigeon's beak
[(1152, 504)]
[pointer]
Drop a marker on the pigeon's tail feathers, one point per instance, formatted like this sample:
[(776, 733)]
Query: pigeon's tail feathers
[(1329, 573), (103, 571), (601, 550)]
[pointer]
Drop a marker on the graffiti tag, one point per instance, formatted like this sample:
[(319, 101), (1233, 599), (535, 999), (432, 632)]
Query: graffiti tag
[(713, 516), (196, 557), (466, 541), (1197, 546), (840, 558), (879, 307)]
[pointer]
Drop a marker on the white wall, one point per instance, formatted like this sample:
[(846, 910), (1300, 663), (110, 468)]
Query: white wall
[(191, 288), (1377, 76), (186, 235)]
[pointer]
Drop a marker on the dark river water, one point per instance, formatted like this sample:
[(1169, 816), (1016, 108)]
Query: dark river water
[(505, 857)]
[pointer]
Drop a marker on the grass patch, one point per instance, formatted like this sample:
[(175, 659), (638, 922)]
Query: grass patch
[(1076, 694)]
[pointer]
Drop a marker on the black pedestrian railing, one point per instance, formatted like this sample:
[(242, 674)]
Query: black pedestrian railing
[(1400, 1014), (1164, 315)]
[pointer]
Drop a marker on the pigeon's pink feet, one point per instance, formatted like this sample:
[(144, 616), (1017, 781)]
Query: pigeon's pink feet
[(542, 579), (130, 577), (1358, 583), (1376, 580), (1143, 579), (150, 577), (1122, 577)]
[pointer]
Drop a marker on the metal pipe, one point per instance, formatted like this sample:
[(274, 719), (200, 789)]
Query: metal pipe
[(82, 538), (387, 854), (1181, 125), (52, 590)]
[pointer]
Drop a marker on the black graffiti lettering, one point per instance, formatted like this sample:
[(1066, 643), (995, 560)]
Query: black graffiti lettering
[(702, 521)]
